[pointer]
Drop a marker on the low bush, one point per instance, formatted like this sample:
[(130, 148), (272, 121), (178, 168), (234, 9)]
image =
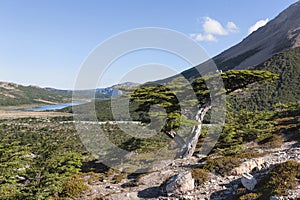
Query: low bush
[(200, 175), (249, 196), (273, 141), (74, 186), (281, 178)]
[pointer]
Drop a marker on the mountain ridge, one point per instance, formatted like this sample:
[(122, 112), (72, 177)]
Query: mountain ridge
[(281, 33), (278, 35), (12, 94)]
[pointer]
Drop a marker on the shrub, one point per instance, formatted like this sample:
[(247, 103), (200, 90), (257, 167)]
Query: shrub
[(249, 196), (237, 149), (281, 178), (74, 186), (200, 175)]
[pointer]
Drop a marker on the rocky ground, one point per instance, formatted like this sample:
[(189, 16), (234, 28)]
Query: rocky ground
[(217, 187)]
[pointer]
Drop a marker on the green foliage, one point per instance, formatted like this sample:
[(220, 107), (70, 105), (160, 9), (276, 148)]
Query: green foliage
[(37, 157), (245, 126), (175, 95), (103, 109), (284, 90), (13, 164), (130, 143), (54, 170), (249, 196), (232, 150)]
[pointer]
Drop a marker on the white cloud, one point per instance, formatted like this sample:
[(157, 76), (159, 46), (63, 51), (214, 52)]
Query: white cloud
[(204, 37), (232, 27), (212, 28), (257, 25)]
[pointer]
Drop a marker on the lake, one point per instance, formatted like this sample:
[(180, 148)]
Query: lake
[(54, 107)]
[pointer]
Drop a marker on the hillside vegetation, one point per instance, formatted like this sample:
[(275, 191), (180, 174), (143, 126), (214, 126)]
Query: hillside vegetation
[(44, 158), (284, 90), (12, 94)]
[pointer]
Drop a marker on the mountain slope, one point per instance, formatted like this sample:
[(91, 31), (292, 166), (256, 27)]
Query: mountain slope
[(285, 89), (15, 94), (279, 34)]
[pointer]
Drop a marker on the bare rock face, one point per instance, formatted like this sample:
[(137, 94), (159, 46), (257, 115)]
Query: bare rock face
[(248, 166), (179, 184), (248, 181), (155, 178)]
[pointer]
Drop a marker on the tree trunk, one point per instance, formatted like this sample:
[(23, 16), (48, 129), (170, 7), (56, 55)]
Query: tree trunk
[(188, 149)]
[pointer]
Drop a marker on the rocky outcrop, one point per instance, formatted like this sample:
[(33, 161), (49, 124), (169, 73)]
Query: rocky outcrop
[(176, 180), (248, 166)]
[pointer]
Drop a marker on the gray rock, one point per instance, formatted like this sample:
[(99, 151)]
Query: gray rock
[(180, 183), (274, 198), (31, 155), (248, 181)]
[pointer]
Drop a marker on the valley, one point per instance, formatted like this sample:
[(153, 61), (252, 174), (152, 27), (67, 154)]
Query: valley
[(233, 134)]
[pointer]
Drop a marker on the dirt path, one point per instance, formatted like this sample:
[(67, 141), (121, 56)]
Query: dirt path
[(24, 114)]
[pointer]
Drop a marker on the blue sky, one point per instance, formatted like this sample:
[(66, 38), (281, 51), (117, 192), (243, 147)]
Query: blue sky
[(44, 42)]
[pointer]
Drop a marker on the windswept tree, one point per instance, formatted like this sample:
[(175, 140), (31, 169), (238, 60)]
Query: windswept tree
[(186, 103)]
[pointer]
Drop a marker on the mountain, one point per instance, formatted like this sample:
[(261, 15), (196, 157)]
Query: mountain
[(100, 93), (280, 34), (83, 94), (15, 94), (115, 89)]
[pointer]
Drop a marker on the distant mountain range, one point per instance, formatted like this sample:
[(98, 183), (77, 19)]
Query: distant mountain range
[(100, 93), (12, 94), (115, 89)]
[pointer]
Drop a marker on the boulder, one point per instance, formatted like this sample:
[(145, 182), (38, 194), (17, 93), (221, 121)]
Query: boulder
[(247, 166), (248, 181), (179, 184)]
